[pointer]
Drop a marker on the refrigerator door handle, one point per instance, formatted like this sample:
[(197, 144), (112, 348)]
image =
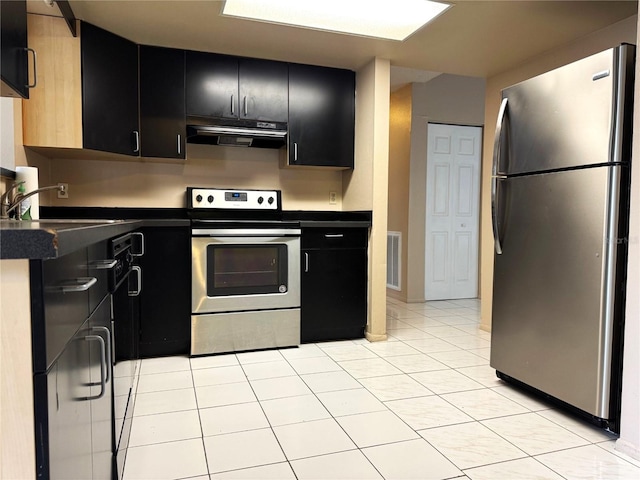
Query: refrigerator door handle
[(494, 212), (495, 177), (496, 142)]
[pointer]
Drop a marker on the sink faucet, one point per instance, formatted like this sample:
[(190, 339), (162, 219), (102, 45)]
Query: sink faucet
[(10, 201)]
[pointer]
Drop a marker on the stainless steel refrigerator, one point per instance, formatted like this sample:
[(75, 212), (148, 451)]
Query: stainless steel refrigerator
[(560, 197)]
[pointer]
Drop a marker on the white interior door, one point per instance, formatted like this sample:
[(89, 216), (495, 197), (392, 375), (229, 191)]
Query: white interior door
[(453, 201)]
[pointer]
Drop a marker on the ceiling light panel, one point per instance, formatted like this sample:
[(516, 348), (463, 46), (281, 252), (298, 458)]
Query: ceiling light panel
[(388, 19)]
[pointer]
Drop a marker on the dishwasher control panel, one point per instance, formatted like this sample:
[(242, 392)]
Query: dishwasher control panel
[(231, 199)]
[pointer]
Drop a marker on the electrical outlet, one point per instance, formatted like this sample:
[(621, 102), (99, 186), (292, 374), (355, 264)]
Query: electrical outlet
[(64, 192), (332, 198)]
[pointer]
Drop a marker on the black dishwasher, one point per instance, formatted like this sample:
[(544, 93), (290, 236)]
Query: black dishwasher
[(334, 283)]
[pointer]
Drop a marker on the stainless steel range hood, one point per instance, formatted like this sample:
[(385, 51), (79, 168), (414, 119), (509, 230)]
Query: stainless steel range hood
[(236, 133)]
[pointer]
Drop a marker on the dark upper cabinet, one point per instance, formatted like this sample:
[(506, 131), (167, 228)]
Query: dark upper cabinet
[(223, 86), (264, 90), (14, 66), (109, 92), (162, 102), (321, 116), (212, 85)]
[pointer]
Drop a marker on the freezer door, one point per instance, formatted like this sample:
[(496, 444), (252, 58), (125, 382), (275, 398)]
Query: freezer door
[(563, 118), (554, 284)]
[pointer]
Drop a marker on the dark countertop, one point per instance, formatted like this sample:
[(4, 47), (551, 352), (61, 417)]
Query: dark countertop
[(50, 237), (32, 239)]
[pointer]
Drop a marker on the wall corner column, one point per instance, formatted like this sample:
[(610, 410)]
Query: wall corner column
[(366, 187)]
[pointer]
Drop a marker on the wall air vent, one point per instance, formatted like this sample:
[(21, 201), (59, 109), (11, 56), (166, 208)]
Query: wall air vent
[(394, 256)]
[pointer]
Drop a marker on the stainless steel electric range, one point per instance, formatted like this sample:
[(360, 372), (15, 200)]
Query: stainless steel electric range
[(245, 270)]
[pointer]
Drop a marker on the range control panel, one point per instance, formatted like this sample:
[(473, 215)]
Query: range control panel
[(217, 198)]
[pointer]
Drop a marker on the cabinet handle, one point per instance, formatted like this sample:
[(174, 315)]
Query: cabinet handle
[(246, 111), (81, 284), (35, 67), (103, 362), (109, 349), (333, 235), (295, 151), (179, 144), (306, 262), (103, 264), (138, 270), (141, 252), (233, 107), (137, 137)]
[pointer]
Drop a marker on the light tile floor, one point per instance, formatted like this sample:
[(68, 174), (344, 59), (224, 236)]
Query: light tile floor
[(423, 405)]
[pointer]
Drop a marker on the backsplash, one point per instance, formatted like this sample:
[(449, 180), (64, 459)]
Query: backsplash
[(136, 182)]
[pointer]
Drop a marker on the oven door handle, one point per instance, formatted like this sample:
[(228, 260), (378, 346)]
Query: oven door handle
[(246, 232)]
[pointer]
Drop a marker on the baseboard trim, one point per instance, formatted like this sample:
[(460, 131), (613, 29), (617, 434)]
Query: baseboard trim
[(375, 337), (628, 448)]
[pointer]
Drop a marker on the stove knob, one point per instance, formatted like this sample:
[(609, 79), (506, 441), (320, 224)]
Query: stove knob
[(260, 200), (270, 200), (210, 198), (198, 198)]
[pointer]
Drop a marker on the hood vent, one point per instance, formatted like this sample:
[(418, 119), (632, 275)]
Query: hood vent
[(236, 133)]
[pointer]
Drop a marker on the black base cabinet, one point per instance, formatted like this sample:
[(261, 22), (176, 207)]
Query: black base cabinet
[(73, 374), (334, 284), (165, 300)]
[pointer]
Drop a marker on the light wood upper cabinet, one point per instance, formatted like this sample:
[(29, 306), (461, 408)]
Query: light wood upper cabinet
[(52, 117), (88, 95)]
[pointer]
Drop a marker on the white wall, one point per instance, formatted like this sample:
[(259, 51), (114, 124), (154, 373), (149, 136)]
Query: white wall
[(629, 441)]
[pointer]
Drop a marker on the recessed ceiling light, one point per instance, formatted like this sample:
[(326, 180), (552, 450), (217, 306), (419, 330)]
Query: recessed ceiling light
[(388, 19)]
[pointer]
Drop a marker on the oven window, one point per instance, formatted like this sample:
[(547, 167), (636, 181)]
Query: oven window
[(246, 269)]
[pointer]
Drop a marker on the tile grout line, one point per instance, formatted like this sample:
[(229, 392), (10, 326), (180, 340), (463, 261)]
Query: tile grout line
[(195, 394), (336, 421), (273, 432)]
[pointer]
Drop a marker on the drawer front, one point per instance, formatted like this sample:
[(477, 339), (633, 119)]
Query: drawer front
[(64, 309), (334, 237)]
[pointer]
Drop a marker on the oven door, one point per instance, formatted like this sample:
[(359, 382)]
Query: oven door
[(242, 273)]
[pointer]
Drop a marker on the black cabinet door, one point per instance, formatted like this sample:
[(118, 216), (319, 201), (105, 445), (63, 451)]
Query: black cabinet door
[(165, 301), (223, 86), (101, 377), (334, 294), (212, 85), (162, 102), (69, 412), (14, 69), (264, 90), (64, 304), (109, 92), (321, 116)]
